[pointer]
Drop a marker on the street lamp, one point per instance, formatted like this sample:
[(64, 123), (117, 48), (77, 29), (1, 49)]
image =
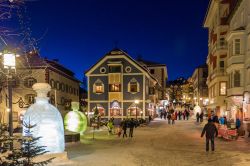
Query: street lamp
[(9, 63), (136, 102)]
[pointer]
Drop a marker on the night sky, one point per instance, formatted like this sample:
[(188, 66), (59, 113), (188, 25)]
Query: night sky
[(80, 32)]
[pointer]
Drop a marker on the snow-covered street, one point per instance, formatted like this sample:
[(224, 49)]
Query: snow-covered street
[(158, 144)]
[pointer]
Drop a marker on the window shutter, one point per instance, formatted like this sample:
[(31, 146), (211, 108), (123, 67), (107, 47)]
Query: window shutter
[(129, 87), (94, 88)]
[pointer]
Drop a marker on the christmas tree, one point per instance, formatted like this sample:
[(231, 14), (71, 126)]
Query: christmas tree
[(30, 149)]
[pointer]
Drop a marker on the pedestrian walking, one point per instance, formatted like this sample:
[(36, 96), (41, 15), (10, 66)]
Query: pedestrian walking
[(161, 114), (110, 127), (179, 115), (197, 117), (238, 123), (131, 127), (184, 115), (211, 132), (201, 116), (124, 128), (119, 130), (169, 118), (187, 114), (165, 115), (173, 118)]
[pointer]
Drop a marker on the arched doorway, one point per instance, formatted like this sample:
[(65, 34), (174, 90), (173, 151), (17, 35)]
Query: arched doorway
[(115, 109)]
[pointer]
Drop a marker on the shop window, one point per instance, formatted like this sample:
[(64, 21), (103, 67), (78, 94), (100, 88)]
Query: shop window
[(223, 88), (237, 79), (115, 88), (133, 86), (98, 87)]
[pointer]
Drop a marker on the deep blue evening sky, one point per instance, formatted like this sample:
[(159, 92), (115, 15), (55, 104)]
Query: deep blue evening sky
[(79, 32)]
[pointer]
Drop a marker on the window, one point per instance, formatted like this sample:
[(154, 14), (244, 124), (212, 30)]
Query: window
[(237, 47), (133, 86), (57, 85), (128, 69), (151, 90), (152, 71), (222, 42), (230, 49), (66, 88), (30, 98), (237, 78), (52, 83), (222, 64), (115, 87), (62, 87), (29, 82), (102, 70), (98, 87), (223, 88), (114, 69)]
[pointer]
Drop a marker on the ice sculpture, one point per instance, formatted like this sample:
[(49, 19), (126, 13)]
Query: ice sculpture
[(75, 120), (48, 120)]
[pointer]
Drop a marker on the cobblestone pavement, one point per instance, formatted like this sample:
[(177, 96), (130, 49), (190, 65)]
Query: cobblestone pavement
[(158, 144)]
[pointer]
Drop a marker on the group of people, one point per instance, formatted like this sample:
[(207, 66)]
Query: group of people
[(199, 117), (123, 127), (173, 115)]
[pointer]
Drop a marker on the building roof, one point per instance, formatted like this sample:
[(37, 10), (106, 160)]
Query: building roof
[(150, 63), (117, 52), (33, 60)]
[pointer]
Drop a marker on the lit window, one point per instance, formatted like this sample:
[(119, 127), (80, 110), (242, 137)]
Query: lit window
[(237, 47), (98, 87), (223, 88), (114, 87), (133, 86)]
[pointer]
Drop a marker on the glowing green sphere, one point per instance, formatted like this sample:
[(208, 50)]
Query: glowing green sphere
[(75, 121)]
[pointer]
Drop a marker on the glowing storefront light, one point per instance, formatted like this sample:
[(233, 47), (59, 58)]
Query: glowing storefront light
[(48, 121), (75, 120)]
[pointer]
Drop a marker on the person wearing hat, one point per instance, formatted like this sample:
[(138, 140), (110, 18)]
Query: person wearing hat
[(211, 131)]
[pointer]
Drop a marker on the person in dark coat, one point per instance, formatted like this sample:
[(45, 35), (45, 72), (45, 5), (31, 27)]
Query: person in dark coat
[(201, 116), (187, 114), (211, 131), (165, 115), (169, 117), (197, 117), (131, 127), (124, 128)]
